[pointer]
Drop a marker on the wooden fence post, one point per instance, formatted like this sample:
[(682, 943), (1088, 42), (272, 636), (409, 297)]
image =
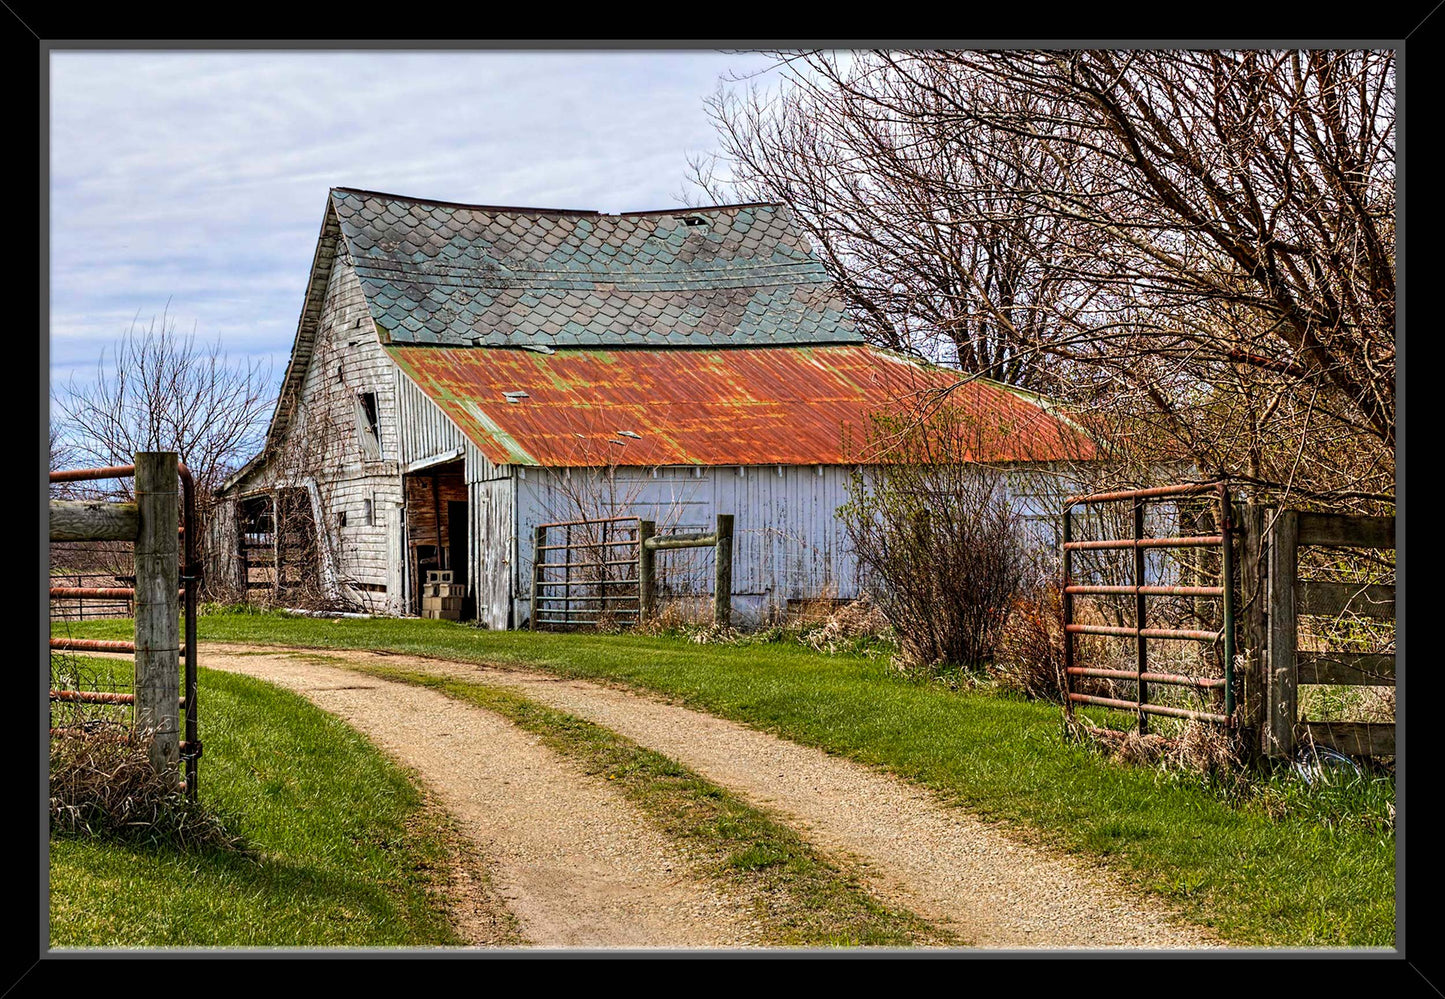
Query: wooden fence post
[(1252, 593), (646, 569), (723, 588), (1283, 680), (157, 608), (539, 538)]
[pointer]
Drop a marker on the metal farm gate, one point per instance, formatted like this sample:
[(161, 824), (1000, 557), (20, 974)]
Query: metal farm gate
[(167, 583), (1219, 689), (585, 573), (605, 571)]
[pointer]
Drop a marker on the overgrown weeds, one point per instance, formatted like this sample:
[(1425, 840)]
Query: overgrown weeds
[(104, 787), (854, 627)]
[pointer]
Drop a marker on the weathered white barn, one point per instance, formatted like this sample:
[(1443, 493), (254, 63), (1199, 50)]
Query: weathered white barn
[(461, 373)]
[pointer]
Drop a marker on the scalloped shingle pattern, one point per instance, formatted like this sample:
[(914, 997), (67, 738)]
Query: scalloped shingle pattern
[(453, 275)]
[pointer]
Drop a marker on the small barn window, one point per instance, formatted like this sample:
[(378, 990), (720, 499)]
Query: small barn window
[(368, 425), (341, 518), (368, 512)]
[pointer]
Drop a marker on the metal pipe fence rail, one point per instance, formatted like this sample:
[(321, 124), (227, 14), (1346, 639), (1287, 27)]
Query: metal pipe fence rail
[(73, 598), (1142, 676), (155, 526), (601, 589)]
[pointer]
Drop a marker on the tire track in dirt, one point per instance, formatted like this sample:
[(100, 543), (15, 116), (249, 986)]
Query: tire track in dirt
[(938, 861), (577, 864)]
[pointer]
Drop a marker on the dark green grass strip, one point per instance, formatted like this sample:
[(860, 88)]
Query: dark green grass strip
[(1257, 877), (340, 847), (801, 899)]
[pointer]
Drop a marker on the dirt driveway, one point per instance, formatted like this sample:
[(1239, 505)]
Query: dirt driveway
[(575, 862), (990, 888)]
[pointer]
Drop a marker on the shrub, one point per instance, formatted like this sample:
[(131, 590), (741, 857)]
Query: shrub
[(939, 544), (1030, 656)]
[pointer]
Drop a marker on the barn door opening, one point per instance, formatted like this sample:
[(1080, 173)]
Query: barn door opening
[(437, 512), (278, 545), (457, 516)]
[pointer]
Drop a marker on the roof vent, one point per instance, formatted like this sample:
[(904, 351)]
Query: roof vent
[(694, 220), (517, 396)]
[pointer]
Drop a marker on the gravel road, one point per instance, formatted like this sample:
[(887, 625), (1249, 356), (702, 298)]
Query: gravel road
[(971, 877), (576, 862), (991, 888)]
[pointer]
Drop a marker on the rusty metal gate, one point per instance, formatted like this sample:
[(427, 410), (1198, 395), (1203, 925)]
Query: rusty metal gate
[(190, 577), (1140, 590), (592, 579)]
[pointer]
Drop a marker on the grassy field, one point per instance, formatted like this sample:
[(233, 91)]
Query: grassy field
[(1289, 866), (339, 846)]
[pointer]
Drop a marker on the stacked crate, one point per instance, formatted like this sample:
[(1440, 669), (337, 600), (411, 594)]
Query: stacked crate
[(440, 597)]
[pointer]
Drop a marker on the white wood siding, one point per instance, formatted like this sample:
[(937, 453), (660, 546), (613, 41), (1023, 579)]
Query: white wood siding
[(788, 542), (348, 359)]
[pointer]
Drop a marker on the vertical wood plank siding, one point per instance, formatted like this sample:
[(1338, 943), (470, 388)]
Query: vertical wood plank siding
[(789, 543), (347, 359)]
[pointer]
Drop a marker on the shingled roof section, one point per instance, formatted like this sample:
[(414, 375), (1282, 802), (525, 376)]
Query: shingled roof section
[(457, 275)]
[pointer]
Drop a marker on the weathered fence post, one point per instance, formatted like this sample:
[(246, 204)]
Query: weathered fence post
[(723, 589), (1283, 681), (157, 611), (1253, 593), (646, 569), (539, 538)]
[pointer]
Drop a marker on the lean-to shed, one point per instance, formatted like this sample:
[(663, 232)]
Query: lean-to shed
[(461, 373)]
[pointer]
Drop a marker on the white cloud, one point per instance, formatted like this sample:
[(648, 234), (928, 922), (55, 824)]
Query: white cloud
[(200, 178)]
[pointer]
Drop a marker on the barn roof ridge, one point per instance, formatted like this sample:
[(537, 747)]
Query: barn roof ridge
[(533, 210)]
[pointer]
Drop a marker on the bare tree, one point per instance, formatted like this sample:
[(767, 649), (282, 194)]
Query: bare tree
[(1197, 246), (159, 390), (925, 233), (156, 390)]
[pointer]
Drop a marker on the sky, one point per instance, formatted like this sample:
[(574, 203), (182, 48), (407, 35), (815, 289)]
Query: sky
[(193, 183)]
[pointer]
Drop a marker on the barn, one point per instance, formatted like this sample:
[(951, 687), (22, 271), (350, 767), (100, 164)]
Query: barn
[(463, 373)]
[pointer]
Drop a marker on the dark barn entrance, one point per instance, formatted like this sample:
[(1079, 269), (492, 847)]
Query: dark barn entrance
[(436, 530)]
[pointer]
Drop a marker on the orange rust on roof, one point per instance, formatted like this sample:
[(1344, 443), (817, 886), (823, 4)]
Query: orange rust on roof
[(733, 406)]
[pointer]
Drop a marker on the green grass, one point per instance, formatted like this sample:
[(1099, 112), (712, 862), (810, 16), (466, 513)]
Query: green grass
[(1258, 874), (339, 846), (800, 899)]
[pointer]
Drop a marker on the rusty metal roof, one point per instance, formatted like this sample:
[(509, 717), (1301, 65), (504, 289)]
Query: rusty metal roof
[(481, 275), (737, 406)]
